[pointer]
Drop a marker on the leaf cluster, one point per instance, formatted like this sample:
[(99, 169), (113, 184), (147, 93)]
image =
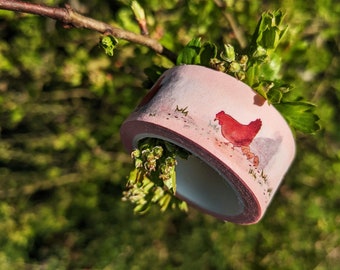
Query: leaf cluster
[(259, 66), (108, 43), (154, 179)]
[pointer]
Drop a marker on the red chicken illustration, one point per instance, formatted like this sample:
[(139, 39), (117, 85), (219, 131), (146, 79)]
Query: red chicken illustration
[(238, 134)]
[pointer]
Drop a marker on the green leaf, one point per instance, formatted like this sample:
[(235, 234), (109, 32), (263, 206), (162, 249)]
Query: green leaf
[(153, 73), (250, 75), (278, 17), (269, 31), (138, 11), (261, 88), (164, 202), (270, 38), (229, 53), (173, 180), (270, 68), (207, 52), (274, 96), (108, 43), (300, 115), (190, 53), (277, 92)]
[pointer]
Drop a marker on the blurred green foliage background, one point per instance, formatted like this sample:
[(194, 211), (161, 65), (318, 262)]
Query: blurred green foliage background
[(63, 169)]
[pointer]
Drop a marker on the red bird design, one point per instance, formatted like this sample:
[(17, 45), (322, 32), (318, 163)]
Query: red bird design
[(236, 133)]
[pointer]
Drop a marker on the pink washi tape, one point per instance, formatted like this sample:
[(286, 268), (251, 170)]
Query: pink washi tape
[(241, 146)]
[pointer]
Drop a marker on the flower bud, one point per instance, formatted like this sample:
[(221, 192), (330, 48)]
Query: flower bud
[(260, 51), (135, 154), (157, 151), (138, 163), (244, 59), (170, 161), (234, 67), (229, 53)]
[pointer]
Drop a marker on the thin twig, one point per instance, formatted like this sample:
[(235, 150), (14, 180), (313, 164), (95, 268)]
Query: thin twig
[(71, 18), (239, 34), (237, 30)]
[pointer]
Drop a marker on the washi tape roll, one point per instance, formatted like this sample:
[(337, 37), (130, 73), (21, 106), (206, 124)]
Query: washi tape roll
[(241, 146)]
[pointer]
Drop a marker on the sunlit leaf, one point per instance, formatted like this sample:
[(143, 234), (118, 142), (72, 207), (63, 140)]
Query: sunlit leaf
[(190, 53), (108, 43), (300, 115)]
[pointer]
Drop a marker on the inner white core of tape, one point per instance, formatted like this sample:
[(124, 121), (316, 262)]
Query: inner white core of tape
[(203, 186)]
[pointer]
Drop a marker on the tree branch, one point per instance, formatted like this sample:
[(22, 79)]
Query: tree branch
[(71, 18)]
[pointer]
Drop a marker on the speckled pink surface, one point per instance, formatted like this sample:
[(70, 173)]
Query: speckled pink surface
[(243, 146)]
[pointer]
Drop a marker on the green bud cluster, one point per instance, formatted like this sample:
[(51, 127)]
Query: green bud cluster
[(153, 181), (230, 63)]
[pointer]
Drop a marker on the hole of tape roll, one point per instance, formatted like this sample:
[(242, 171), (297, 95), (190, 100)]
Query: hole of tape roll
[(201, 185)]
